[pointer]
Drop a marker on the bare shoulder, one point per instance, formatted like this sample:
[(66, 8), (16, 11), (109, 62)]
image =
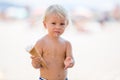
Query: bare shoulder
[(40, 42), (66, 42)]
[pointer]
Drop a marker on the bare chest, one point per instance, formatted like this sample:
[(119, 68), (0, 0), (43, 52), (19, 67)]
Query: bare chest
[(54, 49)]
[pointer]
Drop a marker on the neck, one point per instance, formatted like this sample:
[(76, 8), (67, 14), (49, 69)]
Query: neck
[(53, 37)]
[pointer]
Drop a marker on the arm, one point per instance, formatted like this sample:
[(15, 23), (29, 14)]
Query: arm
[(35, 52), (39, 51), (69, 61), (36, 62)]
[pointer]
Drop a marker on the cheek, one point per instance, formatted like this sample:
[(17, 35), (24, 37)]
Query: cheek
[(50, 29), (62, 30)]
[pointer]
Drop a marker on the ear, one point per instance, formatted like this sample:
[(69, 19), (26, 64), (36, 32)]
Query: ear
[(44, 23), (67, 22)]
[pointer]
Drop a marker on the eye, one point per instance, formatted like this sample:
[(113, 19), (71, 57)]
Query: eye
[(53, 23), (62, 23)]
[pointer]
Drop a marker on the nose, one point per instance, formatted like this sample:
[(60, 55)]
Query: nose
[(58, 26)]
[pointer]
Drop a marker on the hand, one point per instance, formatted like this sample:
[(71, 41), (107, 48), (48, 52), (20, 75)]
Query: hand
[(68, 62), (36, 61)]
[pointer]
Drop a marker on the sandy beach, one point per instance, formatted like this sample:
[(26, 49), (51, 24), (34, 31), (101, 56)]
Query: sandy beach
[(97, 54)]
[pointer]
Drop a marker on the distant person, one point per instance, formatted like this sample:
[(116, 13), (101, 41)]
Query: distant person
[(55, 53), (116, 12)]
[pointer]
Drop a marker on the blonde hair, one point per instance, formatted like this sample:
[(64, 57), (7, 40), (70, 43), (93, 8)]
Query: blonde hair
[(56, 9)]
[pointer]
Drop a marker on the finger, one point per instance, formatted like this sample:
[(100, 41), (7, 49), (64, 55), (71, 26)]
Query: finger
[(71, 64), (38, 59), (32, 57), (65, 67)]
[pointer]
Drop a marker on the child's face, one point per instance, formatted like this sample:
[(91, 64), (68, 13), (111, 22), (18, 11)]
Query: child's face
[(55, 25)]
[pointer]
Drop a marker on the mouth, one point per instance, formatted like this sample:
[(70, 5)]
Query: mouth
[(57, 33)]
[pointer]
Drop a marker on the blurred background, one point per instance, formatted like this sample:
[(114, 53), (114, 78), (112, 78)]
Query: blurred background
[(94, 32)]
